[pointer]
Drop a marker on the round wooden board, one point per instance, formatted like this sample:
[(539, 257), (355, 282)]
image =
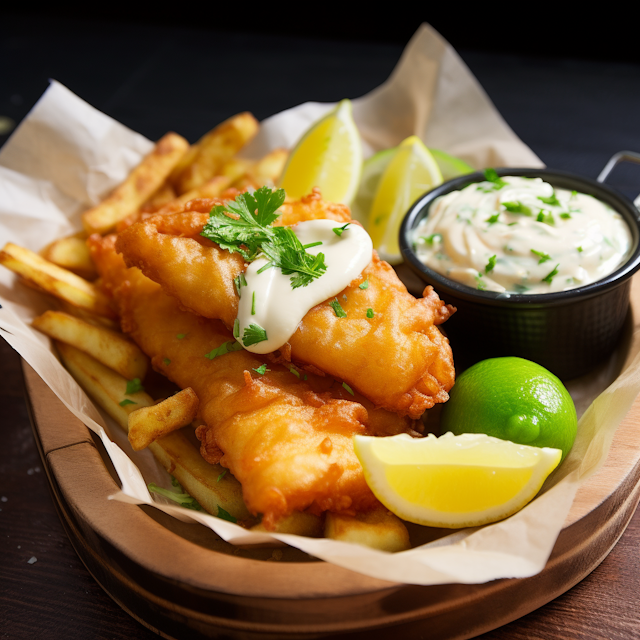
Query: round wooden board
[(182, 582), (181, 589)]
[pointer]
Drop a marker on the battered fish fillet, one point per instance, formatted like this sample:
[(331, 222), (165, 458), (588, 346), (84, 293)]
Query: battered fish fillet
[(398, 359), (286, 439)]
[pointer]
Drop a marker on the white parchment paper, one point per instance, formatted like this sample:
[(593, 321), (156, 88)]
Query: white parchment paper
[(66, 156)]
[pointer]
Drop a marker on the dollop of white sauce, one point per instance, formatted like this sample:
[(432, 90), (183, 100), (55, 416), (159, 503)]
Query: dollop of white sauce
[(268, 299), (522, 237)]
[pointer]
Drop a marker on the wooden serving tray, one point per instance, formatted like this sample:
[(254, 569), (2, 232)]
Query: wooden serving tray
[(182, 581)]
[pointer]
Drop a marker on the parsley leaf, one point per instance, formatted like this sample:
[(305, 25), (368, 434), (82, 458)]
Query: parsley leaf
[(125, 402), (240, 281), (552, 199), (549, 277), (337, 308), (491, 175), (222, 475), (365, 284), (338, 230), (225, 347), (225, 515), (493, 219), (565, 216), (181, 497), (517, 207), (244, 225), (166, 361), (491, 264), (181, 336), (348, 388), (253, 304), (542, 255), (296, 373), (433, 238), (370, 313), (547, 218), (253, 334), (262, 369), (133, 386)]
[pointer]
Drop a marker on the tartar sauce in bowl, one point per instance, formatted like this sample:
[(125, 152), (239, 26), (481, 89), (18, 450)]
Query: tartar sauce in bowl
[(521, 235)]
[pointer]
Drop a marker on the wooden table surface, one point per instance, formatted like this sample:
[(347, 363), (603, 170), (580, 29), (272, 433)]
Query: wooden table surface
[(573, 113)]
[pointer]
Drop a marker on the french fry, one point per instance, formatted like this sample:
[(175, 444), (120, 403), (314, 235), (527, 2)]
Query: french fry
[(210, 153), (298, 523), (147, 424), (267, 170), (55, 280), (87, 316), (139, 186), (209, 484), (165, 194), (379, 529), (210, 189), (71, 253), (106, 346)]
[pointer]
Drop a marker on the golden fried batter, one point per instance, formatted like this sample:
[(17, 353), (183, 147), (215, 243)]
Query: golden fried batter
[(398, 359), (287, 439)]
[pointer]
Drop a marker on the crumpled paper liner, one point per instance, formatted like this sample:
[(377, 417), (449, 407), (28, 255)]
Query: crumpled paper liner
[(66, 156)]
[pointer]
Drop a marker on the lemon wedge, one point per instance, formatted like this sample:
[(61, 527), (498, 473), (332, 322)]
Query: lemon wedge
[(411, 172), (328, 156), (453, 481)]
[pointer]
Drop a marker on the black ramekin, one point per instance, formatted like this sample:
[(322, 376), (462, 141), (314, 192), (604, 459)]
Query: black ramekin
[(568, 332)]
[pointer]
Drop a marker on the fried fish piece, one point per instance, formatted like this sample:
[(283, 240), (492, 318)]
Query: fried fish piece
[(287, 437), (398, 358)]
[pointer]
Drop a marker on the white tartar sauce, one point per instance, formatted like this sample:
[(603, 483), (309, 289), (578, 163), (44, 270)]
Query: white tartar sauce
[(268, 299), (520, 235)]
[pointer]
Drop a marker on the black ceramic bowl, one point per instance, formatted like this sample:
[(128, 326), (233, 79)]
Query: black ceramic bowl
[(568, 332)]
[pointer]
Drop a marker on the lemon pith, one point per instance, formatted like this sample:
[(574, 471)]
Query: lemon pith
[(453, 481), (328, 156)]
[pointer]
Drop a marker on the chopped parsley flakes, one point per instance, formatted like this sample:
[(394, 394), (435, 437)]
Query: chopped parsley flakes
[(133, 386), (224, 348), (337, 308)]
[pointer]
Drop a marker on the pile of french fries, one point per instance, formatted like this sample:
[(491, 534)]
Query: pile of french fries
[(110, 367)]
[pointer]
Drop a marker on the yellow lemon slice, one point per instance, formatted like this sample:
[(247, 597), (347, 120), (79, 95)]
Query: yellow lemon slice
[(453, 481), (328, 156), (411, 172)]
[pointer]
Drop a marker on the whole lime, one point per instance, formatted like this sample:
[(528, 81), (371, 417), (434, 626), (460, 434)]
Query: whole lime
[(512, 399)]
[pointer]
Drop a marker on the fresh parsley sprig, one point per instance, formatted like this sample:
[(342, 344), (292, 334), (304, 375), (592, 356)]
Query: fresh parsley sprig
[(245, 226)]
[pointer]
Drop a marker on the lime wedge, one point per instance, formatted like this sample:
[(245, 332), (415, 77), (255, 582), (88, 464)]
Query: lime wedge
[(453, 481), (372, 171), (328, 156), (450, 166), (411, 172)]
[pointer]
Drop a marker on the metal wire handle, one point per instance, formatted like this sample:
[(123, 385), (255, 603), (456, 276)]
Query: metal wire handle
[(617, 158)]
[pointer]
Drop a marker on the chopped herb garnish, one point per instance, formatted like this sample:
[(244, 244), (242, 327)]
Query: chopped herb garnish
[(133, 386), (240, 281), (253, 334), (480, 283), (253, 303), (181, 336), (337, 308), (225, 515), (490, 175), (549, 277), (542, 255), (166, 361), (338, 230), (222, 475), (348, 388), (517, 207), (224, 348), (236, 328), (365, 284), (520, 288), (432, 238), (125, 402), (493, 219), (182, 498), (546, 217), (552, 199), (245, 226), (580, 249), (565, 216), (296, 373), (370, 313), (491, 264), (262, 369)]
